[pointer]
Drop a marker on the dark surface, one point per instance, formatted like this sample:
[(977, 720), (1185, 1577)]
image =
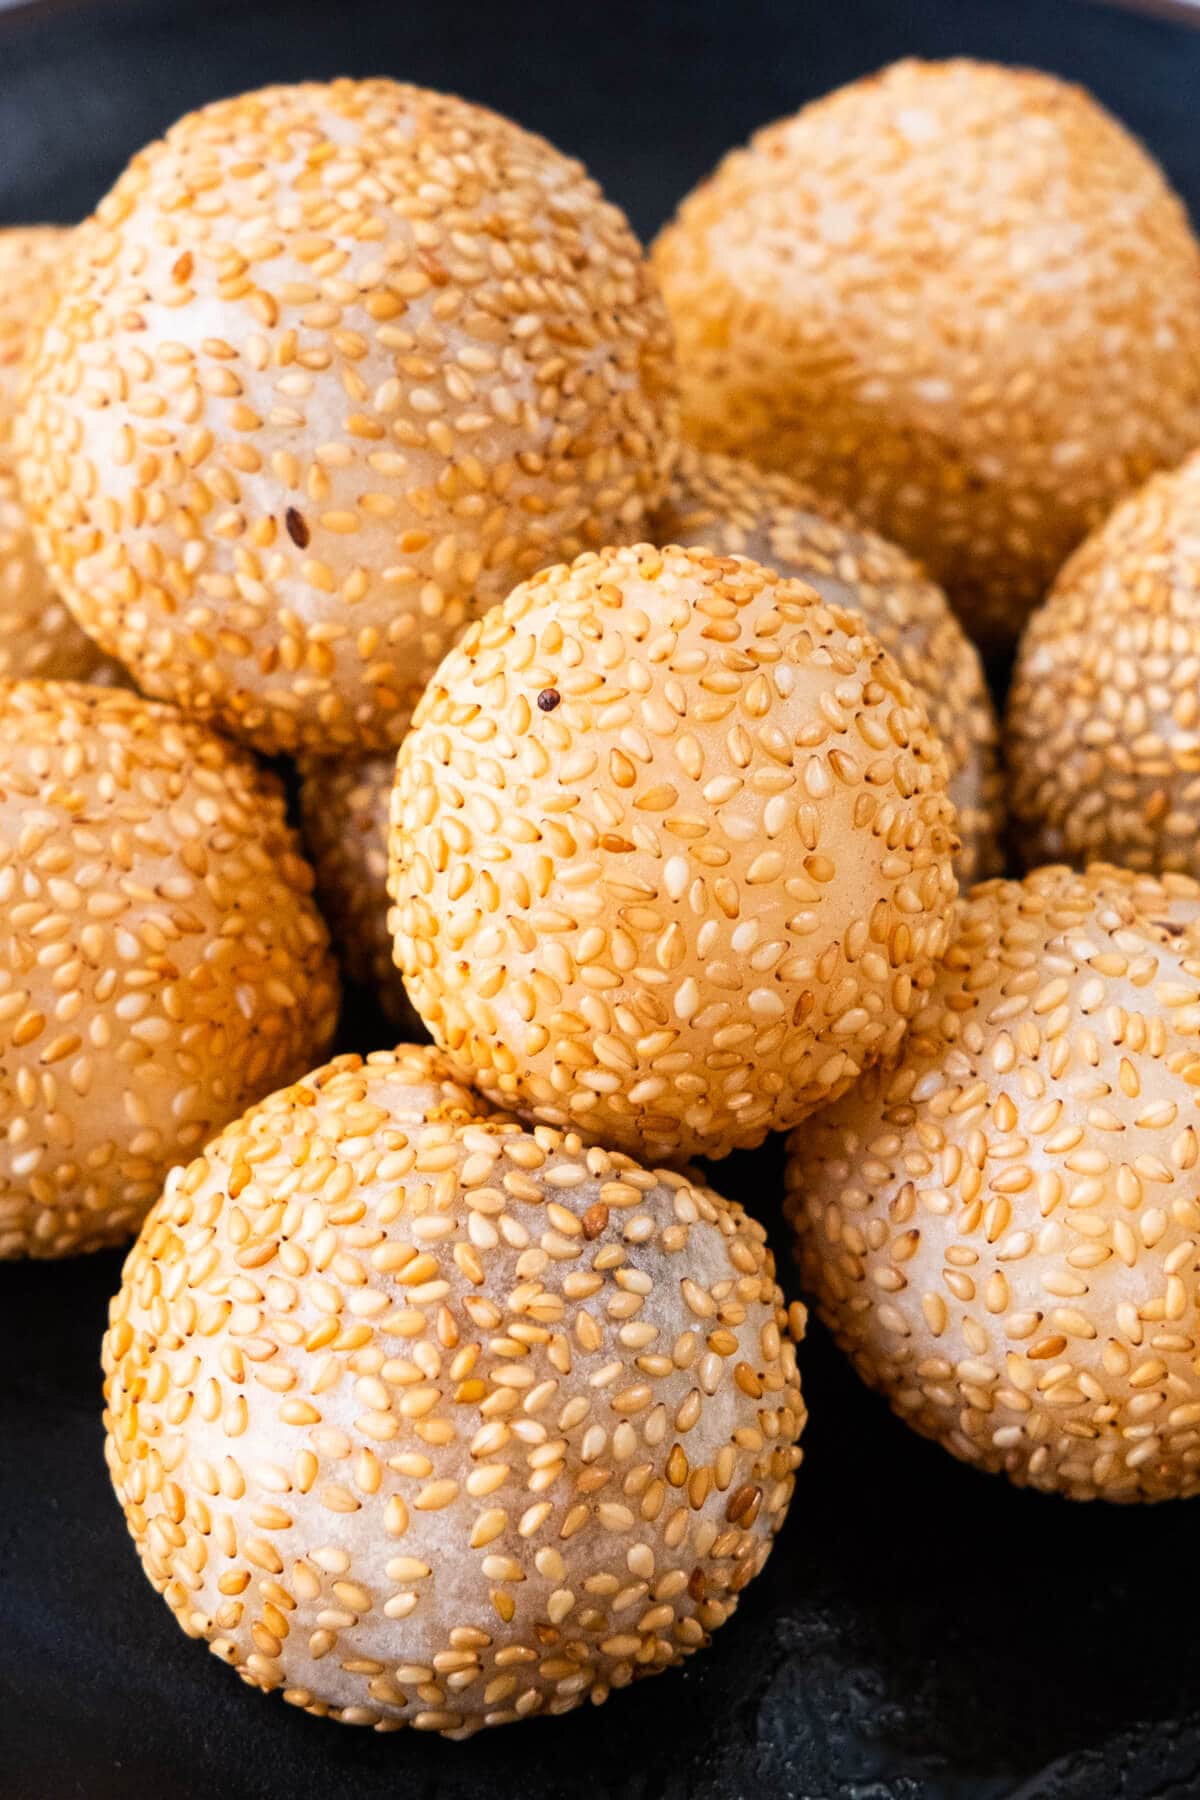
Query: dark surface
[(649, 93), (920, 1631)]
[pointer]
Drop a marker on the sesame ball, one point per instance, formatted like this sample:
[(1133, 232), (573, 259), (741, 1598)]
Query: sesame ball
[(344, 810), (30, 258), (1103, 725), (723, 504), (162, 963), (670, 851), (331, 368), (1001, 1228), (38, 636), (428, 1419), (961, 298)]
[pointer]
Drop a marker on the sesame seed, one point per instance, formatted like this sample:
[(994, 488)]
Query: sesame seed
[(718, 503), (982, 396), (191, 971), (524, 1557), (947, 1208), (38, 636), (1103, 725), (585, 914), (344, 815), (426, 358)]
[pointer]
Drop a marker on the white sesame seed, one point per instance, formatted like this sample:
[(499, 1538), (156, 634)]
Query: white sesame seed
[(978, 334), (202, 981), (312, 493), (504, 1567), (575, 940), (1103, 725), (999, 1246)]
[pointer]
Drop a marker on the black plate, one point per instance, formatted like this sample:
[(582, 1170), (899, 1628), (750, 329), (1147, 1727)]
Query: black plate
[(920, 1630)]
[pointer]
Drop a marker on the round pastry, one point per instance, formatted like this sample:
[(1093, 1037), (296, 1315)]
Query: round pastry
[(671, 851), (723, 504), (332, 367), (38, 636), (1001, 1228), (162, 963), (1103, 725), (30, 258), (426, 1419), (344, 810), (961, 298)]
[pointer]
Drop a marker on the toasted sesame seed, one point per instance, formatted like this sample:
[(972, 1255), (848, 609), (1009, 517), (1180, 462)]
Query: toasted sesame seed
[(38, 636), (1103, 725), (960, 298), (344, 813), (520, 1559), (998, 1241), (586, 916), (191, 970), (718, 503), (329, 370)]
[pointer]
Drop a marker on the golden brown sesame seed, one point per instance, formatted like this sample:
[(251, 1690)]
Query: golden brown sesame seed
[(195, 972), (344, 812), (38, 636), (962, 1183), (434, 360), (1103, 726), (531, 1556), (656, 980), (594, 1220), (912, 295), (717, 503)]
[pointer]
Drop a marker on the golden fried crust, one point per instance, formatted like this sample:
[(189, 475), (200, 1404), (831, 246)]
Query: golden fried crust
[(333, 367), (1001, 1228), (455, 1332), (727, 505), (38, 636), (344, 808), (162, 962), (1103, 724), (959, 297), (30, 259), (671, 851)]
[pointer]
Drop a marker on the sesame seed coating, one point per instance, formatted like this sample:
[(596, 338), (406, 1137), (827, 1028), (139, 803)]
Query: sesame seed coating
[(30, 256), (38, 636), (1003, 1228), (690, 902), (331, 368), (1103, 725), (426, 1419), (720, 503), (961, 298), (162, 963), (344, 809)]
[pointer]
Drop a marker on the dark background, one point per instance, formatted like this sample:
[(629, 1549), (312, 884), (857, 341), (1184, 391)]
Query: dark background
[(920, 1630)]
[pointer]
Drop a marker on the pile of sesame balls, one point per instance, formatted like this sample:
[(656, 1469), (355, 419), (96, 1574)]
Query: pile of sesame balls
[(590, 656)]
